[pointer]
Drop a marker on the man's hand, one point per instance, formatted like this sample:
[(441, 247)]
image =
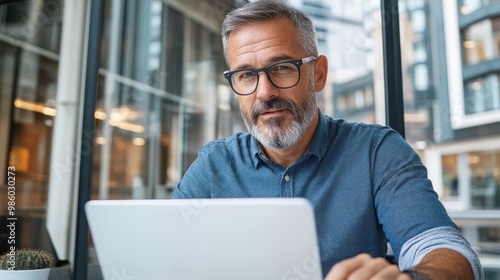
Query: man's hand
[(364, 267)]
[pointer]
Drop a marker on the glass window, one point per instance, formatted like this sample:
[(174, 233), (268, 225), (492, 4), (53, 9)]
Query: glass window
[(446, 116), (420, 52), (416, 69), (421, 77), (469, 6), (415, 4), (368, 96), (485, 179), (495, 28), (161, 96), (157, 98), (480, 41), (450, 175), (418, 21), (30, 33), (174, 43), (354, 52), (482, 94), (34, 22)]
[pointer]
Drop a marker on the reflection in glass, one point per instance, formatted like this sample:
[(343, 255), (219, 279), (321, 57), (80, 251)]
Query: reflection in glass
[(353, 47), (30, 33), (470, 6), (34, 22), (450, 176), (432, 86), (124, 133), (481, 41), (157, 98), (488, 237), (485, 179), (417, 62), (482, 94), (33, 96), (174, 43)]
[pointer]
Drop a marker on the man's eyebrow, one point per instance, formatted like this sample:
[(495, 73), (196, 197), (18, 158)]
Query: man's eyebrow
[(270, 61), (280, 58), (243, 66)]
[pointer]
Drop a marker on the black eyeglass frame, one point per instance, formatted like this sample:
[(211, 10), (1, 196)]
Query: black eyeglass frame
[(297, 62)]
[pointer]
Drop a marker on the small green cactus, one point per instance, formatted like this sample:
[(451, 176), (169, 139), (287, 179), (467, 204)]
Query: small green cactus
[(26, 259)]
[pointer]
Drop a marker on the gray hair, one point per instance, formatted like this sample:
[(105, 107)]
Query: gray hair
[(265, 10)]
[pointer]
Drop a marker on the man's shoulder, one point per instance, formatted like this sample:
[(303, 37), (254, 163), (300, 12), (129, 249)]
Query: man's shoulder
[(344, 128)]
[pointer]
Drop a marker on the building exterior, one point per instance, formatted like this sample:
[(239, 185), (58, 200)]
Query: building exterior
[(161, 95), (341, 37), (453, 125), (466, 151)]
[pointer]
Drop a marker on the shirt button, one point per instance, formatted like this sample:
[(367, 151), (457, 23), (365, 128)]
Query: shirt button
[(287, 178)]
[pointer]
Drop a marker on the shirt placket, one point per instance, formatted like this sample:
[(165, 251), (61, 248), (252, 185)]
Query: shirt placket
[(286, 183)]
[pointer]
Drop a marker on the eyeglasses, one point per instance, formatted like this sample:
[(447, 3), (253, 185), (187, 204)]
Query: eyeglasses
[(282, 74)]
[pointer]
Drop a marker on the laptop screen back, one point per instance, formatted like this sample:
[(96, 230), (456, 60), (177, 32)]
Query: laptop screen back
[(205, 239)]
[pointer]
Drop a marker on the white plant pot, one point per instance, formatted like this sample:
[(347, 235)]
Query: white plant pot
[(35, 274)]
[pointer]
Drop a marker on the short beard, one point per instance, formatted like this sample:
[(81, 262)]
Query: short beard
[(278, 137)]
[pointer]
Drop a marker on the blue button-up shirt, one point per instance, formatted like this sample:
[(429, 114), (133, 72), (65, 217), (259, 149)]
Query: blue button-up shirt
[(366, 184)]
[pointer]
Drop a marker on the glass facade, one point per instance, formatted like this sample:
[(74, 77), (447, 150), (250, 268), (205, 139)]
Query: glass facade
[(161, 96), (157, 101), (30, 32), (356, 62), (431, 127), (453, 125)]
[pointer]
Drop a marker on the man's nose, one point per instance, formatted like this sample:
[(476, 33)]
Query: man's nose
[(265, 89)]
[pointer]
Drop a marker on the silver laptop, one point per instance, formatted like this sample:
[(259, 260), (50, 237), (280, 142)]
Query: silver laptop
[(205, 239)]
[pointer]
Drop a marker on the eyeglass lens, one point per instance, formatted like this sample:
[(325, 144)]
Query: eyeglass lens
[(281, 75)]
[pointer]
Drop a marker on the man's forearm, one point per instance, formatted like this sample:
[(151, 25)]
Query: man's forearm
[(444, 264)]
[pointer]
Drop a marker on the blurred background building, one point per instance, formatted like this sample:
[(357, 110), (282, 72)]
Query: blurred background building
[(161, 96)]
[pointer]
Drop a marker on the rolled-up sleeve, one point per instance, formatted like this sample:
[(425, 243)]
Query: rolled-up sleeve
[(415, 249)]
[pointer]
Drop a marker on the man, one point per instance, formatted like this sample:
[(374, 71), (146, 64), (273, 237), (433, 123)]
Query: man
[(366, 184)]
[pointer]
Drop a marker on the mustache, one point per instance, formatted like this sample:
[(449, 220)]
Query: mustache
[(276, 103)]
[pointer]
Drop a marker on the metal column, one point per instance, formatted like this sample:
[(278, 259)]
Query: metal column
[(393, 78), (87, 144)]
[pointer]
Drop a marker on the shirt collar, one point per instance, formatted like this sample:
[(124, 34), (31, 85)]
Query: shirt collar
[(258, 154), (317, 146), (319, 142)]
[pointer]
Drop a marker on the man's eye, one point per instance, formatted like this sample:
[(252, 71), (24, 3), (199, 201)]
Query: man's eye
[(245, 75), (282, 68)]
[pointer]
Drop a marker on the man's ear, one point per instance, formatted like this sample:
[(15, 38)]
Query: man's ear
[(320, 73)]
